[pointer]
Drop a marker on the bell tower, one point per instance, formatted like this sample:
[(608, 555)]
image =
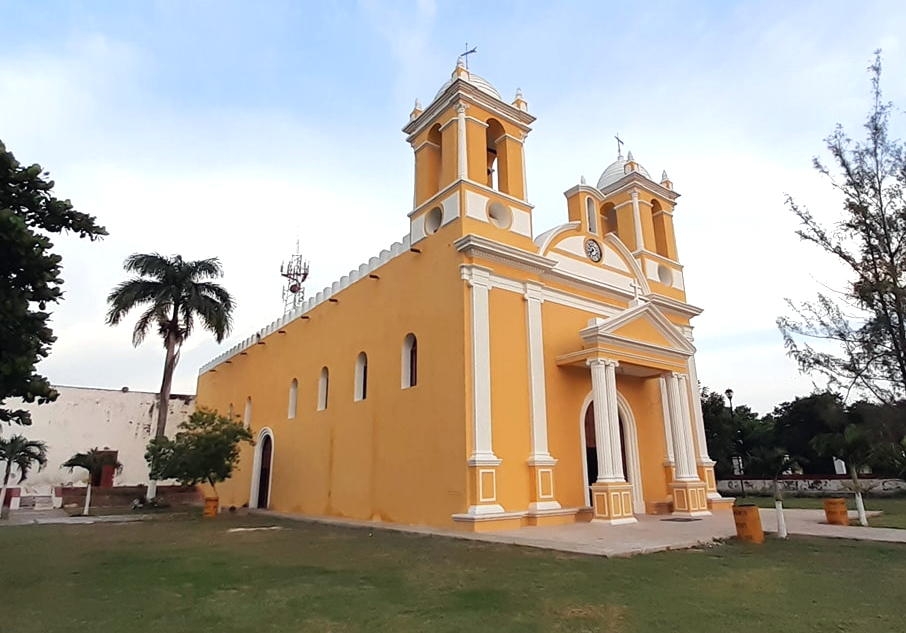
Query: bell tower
[(469, 161)]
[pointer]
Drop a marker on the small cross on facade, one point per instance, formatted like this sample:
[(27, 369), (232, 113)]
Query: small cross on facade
[(636, 289)]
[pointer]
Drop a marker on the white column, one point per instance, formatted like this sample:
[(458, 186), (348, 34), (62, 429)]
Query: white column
[(637, 220), (697, 417), (603, 389), (461, 153), (665, 412), (537, 389), (685, 465), (482, 453), (599, 399), (613, 421), (683, 388)]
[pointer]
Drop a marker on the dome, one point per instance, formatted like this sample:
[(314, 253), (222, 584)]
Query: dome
[(479, 82), (616, 170)]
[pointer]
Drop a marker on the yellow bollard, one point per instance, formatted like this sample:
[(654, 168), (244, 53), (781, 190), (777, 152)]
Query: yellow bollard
[(748, 524), (835, 511), (211, 506)]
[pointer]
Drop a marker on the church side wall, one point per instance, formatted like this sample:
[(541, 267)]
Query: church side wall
[(399, 454)]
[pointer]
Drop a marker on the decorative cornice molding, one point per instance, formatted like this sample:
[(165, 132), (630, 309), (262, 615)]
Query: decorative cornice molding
[(477, 246)]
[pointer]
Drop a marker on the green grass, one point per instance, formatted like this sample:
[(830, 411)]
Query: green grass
[(191, 575), (894, 508)]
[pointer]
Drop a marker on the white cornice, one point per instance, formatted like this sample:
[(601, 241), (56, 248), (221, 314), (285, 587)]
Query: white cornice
[(478, 246), (635, 179), (672, 305), (462, 89)]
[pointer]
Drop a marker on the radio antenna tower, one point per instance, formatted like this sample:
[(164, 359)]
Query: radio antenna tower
[(295, 270)]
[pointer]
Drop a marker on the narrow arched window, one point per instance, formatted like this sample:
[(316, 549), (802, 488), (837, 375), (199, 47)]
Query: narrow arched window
[(591, 215), (247, 416), (361, 377), (410, 361), (293, 399), (323, 384)]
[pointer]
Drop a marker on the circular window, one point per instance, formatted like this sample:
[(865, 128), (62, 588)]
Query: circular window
[(433, 219), (500, 215), (665, 275)]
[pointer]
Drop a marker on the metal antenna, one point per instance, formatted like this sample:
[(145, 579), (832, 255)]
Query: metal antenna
[(295, 270)]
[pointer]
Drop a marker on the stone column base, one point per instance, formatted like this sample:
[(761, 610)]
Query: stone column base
[(542, 496), (612, 502), (690, 498), (706, 474)]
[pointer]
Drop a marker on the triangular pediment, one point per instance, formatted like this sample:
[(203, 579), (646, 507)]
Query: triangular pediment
[(644, 325)]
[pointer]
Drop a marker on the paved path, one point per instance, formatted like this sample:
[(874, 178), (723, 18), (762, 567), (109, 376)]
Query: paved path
[(812, 523), (650, 534), (57, 516)]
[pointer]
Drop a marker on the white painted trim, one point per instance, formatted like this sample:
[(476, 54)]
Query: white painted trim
[(478, 246), (665, 412), (478, 279), (637, 220), (256, 467), (537, 383), (701, 453), (461, 153)]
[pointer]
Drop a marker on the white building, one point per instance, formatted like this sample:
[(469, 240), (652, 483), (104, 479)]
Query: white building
[(83, 418)]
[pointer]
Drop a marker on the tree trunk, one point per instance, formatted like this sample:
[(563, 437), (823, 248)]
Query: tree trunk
[(860, 506), (163, 402), (778, 507), (87, 497), (9, 465)]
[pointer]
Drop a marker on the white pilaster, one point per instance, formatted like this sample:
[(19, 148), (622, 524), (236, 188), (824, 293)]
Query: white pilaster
[(683, 388), (461, 153), (637, 220), (479, 280), (537, 389), (685, 465), (603, 390)]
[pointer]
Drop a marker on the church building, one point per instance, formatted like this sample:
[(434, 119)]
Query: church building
[(477, 374)]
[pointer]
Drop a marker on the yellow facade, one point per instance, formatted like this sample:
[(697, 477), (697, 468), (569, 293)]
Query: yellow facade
[(552, 378)]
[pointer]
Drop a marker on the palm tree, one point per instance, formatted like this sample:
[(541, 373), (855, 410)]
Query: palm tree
[(851, 442), (93, 461), (174, 292), (22, 452), (773, 461)]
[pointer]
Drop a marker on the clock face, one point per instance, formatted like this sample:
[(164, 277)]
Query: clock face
[(593, 250)]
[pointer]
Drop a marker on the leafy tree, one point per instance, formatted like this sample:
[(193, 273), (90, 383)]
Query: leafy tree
[(849, 438), (800, 420), (857, 339), (30, 277), (205, 450), (772, 460), (94, 462), (729, 432), (22, 452), (174, 293)]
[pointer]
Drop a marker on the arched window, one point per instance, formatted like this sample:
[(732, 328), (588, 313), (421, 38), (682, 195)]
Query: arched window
[(659, 220), (247, 416), (410, 361), (609, 218), (293, 399), (322, 388), (433, 156), (591, 215), (361, 377), (496, 156)]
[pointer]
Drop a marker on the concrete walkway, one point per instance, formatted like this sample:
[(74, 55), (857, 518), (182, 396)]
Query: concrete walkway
[(812, 523), (650, 534), (57, 516)]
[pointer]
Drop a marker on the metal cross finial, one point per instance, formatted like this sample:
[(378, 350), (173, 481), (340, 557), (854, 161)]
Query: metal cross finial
[(465, 56), (619, 146)]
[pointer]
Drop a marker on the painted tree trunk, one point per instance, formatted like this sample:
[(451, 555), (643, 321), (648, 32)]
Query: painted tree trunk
[(860, 506), (3, 487), (87, 498), (778, 508)]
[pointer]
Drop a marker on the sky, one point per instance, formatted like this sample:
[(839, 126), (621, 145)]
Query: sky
[(232, 129)]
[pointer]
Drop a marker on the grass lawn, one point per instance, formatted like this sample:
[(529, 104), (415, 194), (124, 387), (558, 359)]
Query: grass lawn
[(192, 575), (894, 508)]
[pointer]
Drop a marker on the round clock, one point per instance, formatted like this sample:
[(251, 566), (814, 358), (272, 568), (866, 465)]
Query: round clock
[(593, 250)]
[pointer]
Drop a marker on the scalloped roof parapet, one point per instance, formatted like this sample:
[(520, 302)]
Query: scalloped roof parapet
[(363, 270)]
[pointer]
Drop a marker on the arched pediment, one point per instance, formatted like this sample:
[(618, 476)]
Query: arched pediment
[(566, 245)]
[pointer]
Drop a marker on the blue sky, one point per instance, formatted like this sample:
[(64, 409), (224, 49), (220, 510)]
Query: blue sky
[(232, 128)]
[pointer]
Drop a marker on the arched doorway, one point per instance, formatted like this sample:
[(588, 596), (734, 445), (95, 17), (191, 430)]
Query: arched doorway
[(628, 445), (260, 494)]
